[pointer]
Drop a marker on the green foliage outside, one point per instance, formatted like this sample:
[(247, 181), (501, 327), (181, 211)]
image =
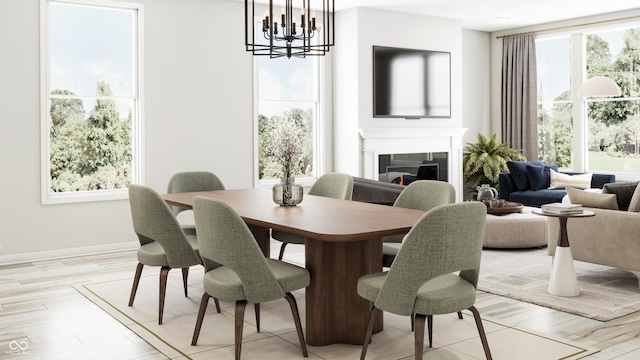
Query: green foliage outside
[(612, 125), (92, 153), (270, 167)]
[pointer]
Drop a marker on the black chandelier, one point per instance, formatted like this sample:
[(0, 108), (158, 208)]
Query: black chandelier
[(277, 36)]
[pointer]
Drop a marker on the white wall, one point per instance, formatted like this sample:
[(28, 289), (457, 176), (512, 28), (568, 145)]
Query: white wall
[(476, 76), (353, 94), (198, 81)]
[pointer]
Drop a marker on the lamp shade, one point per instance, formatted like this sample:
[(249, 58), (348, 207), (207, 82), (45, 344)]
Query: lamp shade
[(598, 86)]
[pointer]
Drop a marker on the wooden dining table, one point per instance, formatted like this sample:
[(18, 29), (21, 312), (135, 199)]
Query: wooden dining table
[(343, 241)]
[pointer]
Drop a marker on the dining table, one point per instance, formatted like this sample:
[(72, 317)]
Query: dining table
[(343, 241)]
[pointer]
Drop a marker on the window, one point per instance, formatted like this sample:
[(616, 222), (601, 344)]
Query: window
[(555, 121), (613, 123), (593, 134), (91, 100), (288, 90)]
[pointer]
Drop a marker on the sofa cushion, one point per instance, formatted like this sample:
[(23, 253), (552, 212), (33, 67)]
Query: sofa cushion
[(624, 192), (634, 204), (560, 181), (538, 197), (592, 199), (540, 176), (518, 170)]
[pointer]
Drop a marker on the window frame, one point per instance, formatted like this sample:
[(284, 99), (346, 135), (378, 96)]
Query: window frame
[(578, 74), (137, 127), (320, 124)]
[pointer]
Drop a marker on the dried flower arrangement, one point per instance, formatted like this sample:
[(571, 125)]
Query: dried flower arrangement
[(287, 147)]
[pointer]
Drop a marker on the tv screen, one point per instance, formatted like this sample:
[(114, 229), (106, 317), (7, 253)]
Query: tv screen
[(411, 83)]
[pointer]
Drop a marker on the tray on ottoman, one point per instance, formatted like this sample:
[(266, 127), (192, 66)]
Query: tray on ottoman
[(509, 208)]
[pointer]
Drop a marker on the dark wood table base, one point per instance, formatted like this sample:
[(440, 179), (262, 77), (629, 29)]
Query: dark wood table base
[(334, 267)]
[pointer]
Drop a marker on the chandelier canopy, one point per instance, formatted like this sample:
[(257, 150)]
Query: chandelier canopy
[(283, 33)]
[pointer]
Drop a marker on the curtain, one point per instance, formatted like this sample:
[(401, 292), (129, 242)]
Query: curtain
[(519, 94)]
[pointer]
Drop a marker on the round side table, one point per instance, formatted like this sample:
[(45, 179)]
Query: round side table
[(563, 281)]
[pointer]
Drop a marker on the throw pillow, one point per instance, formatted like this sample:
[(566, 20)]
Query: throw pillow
[(624, 192), (539, 176), (634, 204), (560, 181), (518, 170), (592, 199)]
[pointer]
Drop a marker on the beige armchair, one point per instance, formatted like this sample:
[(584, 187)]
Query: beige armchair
[(611, 238)]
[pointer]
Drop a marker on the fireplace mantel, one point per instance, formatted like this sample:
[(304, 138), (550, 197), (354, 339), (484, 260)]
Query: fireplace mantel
[(377, 142)]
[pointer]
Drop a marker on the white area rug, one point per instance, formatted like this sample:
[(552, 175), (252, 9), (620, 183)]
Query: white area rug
[(605, 293), (453, 338)]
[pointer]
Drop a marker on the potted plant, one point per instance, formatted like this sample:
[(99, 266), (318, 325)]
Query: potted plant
[(483, 161)]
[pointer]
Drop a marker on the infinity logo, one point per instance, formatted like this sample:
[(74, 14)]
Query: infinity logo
[(22, 345)]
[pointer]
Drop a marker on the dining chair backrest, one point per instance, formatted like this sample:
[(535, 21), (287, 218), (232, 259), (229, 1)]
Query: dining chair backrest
[(426, 194), (154, 221), (423, 195), (225, 240), (190, 181), (333, 185), (447, 239)]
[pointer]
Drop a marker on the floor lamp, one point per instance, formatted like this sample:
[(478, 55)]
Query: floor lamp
[(595, 87), (598, 86)]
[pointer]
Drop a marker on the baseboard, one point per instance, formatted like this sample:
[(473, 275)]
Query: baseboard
[(69, 252)]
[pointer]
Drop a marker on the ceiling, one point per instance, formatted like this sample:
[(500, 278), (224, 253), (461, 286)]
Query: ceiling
[(484, 15)]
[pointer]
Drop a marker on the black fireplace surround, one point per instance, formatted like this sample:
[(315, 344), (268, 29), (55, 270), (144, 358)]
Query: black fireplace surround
[(373, 191)]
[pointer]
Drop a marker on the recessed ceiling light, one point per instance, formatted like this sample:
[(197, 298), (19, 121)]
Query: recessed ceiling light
[(503, 18)]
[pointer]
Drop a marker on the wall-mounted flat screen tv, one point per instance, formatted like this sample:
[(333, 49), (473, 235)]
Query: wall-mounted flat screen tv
[(411, 83)]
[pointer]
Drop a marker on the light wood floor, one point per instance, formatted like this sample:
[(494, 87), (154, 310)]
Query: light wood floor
[(37, 302)]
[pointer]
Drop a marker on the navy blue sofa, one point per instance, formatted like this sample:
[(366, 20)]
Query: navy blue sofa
[(509, 191)]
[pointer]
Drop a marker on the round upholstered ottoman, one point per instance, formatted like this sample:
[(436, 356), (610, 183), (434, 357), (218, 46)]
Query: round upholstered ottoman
[(516, 230)]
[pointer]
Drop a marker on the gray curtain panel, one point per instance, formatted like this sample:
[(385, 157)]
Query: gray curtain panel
[(519, 94)]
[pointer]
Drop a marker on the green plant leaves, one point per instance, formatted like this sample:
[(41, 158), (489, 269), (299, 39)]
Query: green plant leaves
[(486, 159)]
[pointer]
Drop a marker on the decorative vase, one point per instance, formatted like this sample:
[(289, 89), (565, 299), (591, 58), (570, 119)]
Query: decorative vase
[(287, 192)]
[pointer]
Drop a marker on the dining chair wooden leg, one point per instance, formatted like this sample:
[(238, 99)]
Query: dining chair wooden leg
[(136, 281), (185, 276), (215, 300), (296, 319), (412, 317), (257, 310), (164, 274), (430, 329), (367, 334), (200, 319), (483, 336), (460, 315), (419, 335), (284, 244), (240, 307)]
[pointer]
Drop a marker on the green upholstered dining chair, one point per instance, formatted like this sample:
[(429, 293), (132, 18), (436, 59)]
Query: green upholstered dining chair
[(190, 181), (236, 269), (424, 279), (162, 241), (418, 195), (332, 185)]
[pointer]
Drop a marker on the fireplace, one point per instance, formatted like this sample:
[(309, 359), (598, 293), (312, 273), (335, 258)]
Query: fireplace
[(377, 144), (405, 168)]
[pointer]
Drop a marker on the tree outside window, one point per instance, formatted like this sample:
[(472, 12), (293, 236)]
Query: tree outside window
[(613, 124), (287, 93), (92, 106), (555, 119)]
